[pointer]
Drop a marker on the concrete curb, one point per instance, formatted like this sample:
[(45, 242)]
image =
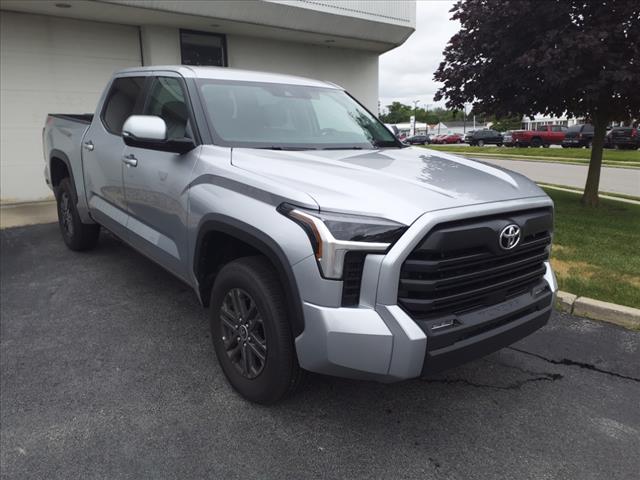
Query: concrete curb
[(597, 310)]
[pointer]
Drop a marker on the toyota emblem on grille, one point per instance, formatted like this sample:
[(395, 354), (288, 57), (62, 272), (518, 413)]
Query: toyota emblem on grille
[(509, 237)]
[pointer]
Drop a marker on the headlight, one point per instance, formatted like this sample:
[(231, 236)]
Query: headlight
[(332, 235)]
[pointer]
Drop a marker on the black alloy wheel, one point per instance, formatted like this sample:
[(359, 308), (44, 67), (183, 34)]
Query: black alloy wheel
[(66, 214), (243, 333)]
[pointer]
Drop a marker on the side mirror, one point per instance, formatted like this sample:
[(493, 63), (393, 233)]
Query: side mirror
[(150, 132)]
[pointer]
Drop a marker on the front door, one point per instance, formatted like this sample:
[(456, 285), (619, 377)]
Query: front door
[(102, 151), (155, 182)]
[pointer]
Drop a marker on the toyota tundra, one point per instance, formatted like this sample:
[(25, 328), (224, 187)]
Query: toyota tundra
[(318, 241)]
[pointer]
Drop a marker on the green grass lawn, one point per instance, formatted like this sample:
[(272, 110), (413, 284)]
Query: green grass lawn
[(581, 155), (596, 252)]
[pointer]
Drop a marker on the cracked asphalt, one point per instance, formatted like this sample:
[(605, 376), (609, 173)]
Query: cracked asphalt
[(107, 371)]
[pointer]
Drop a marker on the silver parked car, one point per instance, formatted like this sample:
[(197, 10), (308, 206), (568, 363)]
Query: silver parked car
[(317, 240)]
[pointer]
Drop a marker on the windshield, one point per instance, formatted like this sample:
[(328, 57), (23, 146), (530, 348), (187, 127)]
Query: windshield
[(289, 117)]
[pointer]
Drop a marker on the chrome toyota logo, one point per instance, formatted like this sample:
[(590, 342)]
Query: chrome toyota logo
[(509, 237)]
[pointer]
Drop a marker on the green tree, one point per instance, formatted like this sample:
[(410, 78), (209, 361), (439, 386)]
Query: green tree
[(397, 113), (506, 123), (575, 57)]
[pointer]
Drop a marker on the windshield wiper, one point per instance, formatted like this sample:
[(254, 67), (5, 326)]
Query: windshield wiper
[(385, 143), (275, 147), (342, 148)]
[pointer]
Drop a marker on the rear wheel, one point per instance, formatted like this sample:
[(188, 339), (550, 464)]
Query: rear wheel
[(536, 142), (251, 332), (76, 235)]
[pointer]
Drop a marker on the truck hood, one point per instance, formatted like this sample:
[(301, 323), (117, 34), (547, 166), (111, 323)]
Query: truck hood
[(397, 184)]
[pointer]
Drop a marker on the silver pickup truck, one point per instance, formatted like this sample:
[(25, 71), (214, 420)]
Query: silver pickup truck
[(318, 240)]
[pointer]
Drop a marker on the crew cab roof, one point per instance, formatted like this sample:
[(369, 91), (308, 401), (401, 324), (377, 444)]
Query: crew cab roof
[(224, 73)]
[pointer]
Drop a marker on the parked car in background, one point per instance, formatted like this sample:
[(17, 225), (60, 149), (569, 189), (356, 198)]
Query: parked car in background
[(542, 136), (418, 140), (507, 138), (437, 138), (577, 136), (622, 138), (451, 138), (484, 137)]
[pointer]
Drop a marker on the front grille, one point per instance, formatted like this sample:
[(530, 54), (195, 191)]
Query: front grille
[(460, 267)]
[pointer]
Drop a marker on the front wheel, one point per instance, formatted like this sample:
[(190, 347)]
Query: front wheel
[(251, 332), (76, 235), (480, 143)]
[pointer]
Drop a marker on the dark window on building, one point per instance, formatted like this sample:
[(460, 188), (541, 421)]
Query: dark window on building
[(202, 48), (121, 102)]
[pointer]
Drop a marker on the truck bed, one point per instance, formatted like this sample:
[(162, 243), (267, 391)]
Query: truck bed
[(74, 117)]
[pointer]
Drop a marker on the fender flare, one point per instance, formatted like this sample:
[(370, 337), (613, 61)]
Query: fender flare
[(60, 155), (264, 244)]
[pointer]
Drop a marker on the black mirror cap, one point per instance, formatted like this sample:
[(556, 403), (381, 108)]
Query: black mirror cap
[(174, 145)]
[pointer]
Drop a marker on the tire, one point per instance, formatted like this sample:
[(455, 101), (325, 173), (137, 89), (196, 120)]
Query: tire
[(498, 144), (77, 236), (271, 371), (480, 143), (536, 143), (588, 145)]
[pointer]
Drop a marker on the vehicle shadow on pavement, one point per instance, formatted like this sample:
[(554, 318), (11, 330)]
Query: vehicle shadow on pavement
[(107, 369)]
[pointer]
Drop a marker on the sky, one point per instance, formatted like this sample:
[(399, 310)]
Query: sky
[(406, 72)]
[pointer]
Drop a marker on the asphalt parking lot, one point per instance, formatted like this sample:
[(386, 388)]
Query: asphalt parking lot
[(107, 371)]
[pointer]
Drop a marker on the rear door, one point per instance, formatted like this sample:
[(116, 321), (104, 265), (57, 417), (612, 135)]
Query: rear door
[(102, 153), (557, 133), (155, 182)]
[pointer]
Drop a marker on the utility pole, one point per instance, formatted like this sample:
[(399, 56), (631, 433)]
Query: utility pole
[(464, 119), (412, 127)]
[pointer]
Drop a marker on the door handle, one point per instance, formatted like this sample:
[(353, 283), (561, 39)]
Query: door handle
[(88, 145), (130, 160)]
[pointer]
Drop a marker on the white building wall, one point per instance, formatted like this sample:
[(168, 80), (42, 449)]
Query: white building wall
[(355, 70), (160, 45), (50, 65)]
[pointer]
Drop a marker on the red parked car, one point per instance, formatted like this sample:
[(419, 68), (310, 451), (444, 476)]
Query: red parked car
[(543, 136), (451, 138)]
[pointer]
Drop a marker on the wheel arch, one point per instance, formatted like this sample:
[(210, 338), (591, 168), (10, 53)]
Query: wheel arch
[(246, 238), (58, 162)]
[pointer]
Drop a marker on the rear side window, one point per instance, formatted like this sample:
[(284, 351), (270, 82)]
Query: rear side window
[(121, 102), (167, 101)]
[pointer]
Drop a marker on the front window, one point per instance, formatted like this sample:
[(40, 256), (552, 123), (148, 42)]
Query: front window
[(279, 116)]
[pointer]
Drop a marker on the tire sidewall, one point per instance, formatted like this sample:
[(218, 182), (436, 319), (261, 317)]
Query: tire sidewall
[(64, 188), (266, 387)]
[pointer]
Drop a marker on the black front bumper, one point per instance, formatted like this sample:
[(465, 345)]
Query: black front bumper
[(485, 331)]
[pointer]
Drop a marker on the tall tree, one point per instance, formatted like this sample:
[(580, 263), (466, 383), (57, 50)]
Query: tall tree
[(574, 57)]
